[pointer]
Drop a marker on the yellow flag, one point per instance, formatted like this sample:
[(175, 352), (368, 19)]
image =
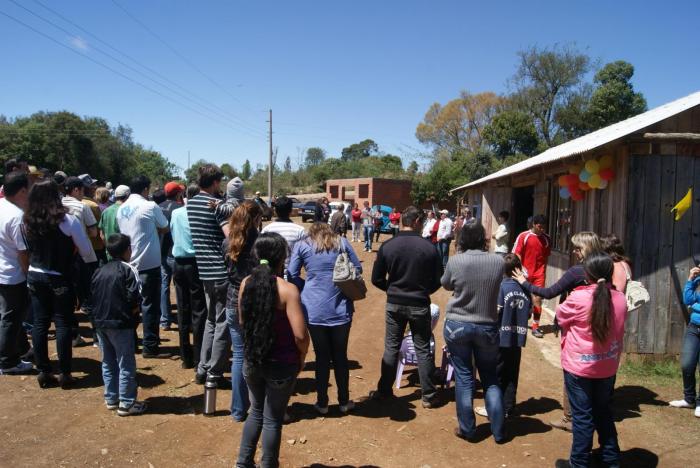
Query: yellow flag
[(683, 205)]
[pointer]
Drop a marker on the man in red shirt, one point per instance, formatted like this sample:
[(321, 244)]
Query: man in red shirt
[(533, 247)]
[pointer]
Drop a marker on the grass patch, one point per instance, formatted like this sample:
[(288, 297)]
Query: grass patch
[(664, 372)]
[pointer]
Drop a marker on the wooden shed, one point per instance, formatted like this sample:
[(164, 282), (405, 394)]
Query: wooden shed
[(656, 159)]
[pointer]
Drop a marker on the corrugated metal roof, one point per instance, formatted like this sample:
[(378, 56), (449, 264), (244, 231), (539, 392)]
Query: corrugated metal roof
[(595, 139)]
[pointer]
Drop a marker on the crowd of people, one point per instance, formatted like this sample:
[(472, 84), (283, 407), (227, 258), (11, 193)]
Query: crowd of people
[(243, 301)]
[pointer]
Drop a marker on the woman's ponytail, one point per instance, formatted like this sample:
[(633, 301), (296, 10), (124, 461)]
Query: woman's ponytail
[(599, 269), (260, 297)]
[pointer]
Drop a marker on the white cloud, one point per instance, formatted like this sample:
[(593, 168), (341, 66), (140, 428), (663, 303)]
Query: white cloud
[(79, 43)]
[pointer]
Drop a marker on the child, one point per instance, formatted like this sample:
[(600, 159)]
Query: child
[(116, 300), (513, 312)]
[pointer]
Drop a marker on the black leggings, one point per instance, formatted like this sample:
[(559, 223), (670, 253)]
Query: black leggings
[(331, 345)]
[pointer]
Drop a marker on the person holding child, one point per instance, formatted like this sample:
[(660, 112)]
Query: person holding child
[(116, 296)]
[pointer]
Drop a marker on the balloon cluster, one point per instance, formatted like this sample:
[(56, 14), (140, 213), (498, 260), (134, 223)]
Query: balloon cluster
[(594, 174)]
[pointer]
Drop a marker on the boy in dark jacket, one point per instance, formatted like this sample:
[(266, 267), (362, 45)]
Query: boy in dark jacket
[(116, 299), (513, 313)]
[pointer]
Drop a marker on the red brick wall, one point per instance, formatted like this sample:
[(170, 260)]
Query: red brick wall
[(381, 191)]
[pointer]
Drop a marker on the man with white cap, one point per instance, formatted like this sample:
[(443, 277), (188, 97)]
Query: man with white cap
[(444, 236)]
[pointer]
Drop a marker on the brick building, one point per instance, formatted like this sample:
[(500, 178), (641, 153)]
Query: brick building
[(391, 192)]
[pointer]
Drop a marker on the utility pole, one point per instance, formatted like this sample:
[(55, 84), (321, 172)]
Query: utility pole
[(269, 166)]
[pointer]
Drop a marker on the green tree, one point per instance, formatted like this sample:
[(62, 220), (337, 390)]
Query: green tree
[(512, 132), (192, 173), (229, 171), (614, 98), (315, 156), (412, 168), (288, 165), (360, 150), (545, 78), (245, 170)]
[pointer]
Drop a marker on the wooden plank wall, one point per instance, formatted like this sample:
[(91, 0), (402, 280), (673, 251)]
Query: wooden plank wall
[(662, 249)]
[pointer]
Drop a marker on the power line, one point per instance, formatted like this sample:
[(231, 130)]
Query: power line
[(239, 121), (159, 83), (181, 56), (113, 70)]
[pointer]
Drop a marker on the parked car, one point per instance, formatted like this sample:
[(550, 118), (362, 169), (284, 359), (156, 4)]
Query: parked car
[(308, 211), (386, 210)]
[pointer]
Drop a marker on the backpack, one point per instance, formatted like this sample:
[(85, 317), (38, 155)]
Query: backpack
[(635, 293), (346, 277)]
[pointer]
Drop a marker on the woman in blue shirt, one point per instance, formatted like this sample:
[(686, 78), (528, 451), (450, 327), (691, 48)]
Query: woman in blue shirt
[(327, 311)]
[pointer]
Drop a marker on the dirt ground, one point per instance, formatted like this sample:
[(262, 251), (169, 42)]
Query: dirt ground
[(55, 427)]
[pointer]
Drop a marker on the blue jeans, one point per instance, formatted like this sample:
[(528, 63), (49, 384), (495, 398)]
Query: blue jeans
[(690, 359), (150, 308), (239, 396), (443, 247), (590, 411), (367, 231), (472, 342), (270, 386), (118, 365), (167, 264)]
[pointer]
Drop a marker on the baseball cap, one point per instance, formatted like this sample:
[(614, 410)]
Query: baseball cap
[(171, 188), (60, 177), (87, 180), (257, 193), (122, 191), (444, 212)]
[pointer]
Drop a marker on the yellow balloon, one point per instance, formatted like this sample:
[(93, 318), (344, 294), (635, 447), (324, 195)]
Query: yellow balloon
[(595, 181), (606, 162), (592, 166)]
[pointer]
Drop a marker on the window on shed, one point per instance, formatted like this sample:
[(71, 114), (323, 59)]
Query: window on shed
[(334, 191), (560, 220), (363, 190)]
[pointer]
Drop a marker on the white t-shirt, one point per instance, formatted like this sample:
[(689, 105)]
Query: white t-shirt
[(140, 219), (428, 227), (11, 243), (445, 229), (84, 215), (501, 236), (291, 232), (73, 228)]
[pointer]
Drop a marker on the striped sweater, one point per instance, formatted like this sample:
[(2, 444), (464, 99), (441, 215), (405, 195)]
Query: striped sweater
[(207, 238), (475, 277)]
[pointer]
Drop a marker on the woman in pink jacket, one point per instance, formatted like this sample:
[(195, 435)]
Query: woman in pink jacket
[(592, 320)]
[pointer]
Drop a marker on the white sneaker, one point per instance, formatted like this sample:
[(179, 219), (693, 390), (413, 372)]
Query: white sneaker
[(350, 405), (481, 411), (23, 367), (697, 411), (138, 407), (680, 404), (321, 409)]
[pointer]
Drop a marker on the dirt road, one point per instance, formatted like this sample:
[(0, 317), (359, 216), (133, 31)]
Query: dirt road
[(54, 427)]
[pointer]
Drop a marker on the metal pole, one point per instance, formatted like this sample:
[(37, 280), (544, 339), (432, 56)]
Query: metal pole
[(269, 167)]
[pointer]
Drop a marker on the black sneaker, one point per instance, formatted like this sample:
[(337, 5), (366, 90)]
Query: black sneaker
[(136, 408), (199, 379), (376, 395)]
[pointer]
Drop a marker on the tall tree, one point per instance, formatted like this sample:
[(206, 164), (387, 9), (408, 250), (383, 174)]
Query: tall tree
[(614, 98), (360, 150), (460, 123), (228, 170), (315, 156), (545, 78), (246, 171), (511, 132), (288, 165)]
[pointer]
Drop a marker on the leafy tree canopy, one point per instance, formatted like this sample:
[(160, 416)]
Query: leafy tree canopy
[(359, 150)]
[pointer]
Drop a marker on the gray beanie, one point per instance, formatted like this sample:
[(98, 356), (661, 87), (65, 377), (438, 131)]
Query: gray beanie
[(234, 190)]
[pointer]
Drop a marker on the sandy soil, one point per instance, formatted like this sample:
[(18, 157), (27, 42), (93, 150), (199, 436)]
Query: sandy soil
[(57, 427)]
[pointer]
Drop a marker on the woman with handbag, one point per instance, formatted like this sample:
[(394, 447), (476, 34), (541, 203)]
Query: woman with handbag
[(327, 310)]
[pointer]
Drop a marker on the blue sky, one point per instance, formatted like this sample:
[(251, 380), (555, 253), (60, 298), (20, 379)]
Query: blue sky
[(334, 73)]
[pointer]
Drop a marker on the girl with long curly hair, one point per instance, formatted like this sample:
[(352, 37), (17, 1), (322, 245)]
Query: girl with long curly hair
[(239, 259), (52, 237), (275, 342)]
